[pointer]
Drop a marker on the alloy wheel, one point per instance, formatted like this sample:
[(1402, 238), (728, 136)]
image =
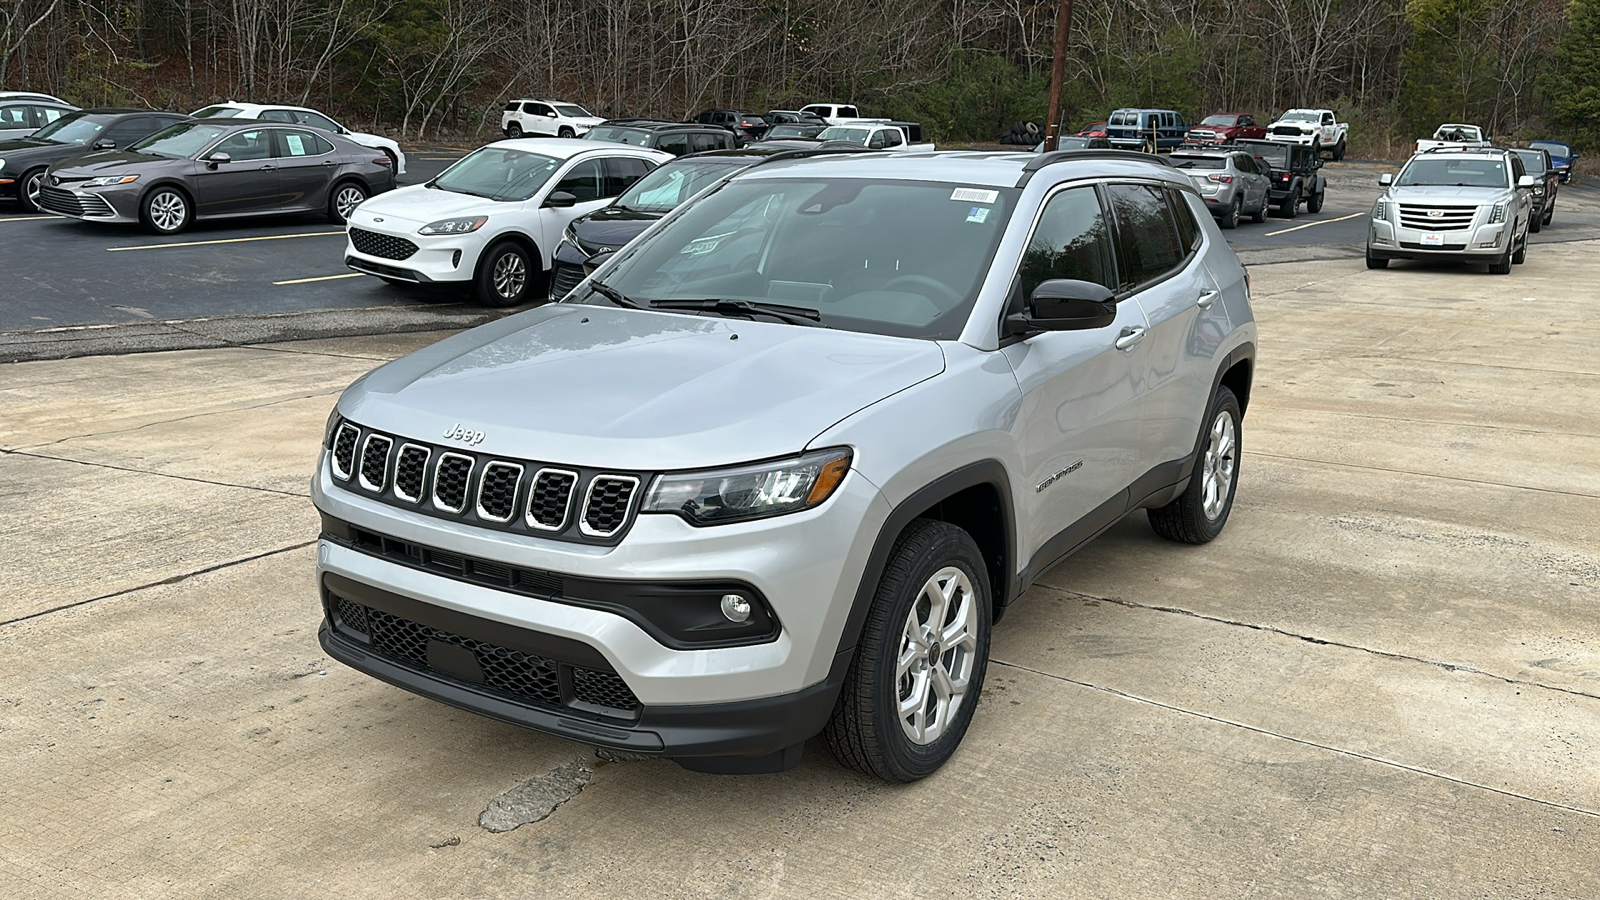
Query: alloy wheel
[(1217, 476), (167, 211), (510, 275), (348, 198), (35, 187), (938, 649)]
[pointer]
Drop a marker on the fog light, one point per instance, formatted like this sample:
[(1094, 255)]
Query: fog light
[(735, 607)]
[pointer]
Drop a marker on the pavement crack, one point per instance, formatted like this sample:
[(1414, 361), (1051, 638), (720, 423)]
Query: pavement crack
[(535, 799), (188, 478), (1267, 732), (1325, 642), (171, 579)]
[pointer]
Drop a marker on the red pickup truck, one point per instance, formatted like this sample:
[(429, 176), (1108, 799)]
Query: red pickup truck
[(1225, 128)]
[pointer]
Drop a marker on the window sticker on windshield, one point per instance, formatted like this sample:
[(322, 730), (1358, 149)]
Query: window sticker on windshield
[(973, 195), (977, 214)]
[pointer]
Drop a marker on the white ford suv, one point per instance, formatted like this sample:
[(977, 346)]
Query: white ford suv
[(300, 115), (494, 218), (551, 118), (777, 466)]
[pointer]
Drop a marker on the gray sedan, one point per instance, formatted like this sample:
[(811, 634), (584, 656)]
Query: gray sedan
[(214, 170), (1231, 182)]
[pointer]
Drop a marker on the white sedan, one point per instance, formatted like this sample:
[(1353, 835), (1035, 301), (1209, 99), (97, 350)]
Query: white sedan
[(494, 218), (300, 115)]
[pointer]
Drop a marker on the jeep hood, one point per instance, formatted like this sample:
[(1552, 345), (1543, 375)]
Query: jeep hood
[(632, 389)]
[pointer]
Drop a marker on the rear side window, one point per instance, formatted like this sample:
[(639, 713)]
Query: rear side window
[(849, 112), (14, 117), (302, 143), (1147, 241), (676, 144), (1070, 241), (1188, 229), (512, 106), (702, 142)]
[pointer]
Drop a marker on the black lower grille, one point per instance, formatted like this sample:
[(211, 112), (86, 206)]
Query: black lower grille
[(521, 676), (563, 278), (60, 202), (385, 246), (1416, 245)]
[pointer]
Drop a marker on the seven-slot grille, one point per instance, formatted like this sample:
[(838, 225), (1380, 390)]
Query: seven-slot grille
[(565, 503), (386, 246), (1437, 218)]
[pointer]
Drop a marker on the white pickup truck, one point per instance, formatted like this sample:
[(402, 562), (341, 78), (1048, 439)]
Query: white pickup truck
[(838, 113), (1319, 129), (896, 137), (1453, 134)]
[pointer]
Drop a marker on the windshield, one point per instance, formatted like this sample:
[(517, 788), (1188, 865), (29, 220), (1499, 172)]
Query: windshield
[(1455, 173), (72, 128), (498, 173), (573, 112), (1218, 120), (1073, 142), (218, 112), (1198, 162), (1532, 161), (662, 190), (887, 257), (635, 136), (791, 131), (1301, 115), (1554, 149), (842, 133), (179, 141), (1276, 155)]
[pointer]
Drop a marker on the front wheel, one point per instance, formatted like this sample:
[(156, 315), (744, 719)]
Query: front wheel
[(1536, 224), (1314, 205), (29, 189), (566, 132), (1202, 509), (912, 688), (1338, 151), (1521, 255), (165, 210), (505, 277), (1376, 262), (344, 200)]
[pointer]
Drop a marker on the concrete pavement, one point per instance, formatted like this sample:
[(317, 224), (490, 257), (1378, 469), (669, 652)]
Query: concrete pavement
[(1383, 679)]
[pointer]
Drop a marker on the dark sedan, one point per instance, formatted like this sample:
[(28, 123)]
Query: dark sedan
[(23, 160), (216, 170)]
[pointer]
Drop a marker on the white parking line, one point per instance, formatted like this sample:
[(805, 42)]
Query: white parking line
[(27, 218), (269, 237), (321, 278), (1310, 224)]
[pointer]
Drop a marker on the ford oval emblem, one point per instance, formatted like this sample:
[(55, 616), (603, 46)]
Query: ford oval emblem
[(377, 218)]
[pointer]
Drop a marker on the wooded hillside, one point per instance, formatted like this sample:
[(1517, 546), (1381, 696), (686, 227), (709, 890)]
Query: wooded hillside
[(429, 68)]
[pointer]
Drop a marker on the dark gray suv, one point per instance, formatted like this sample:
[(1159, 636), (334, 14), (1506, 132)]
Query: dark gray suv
[(778, 465)]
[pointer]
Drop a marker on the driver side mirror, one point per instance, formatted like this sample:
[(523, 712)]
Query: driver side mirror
[(561, 199), (1527, 181), (218, 157), (1386, 179), (1065, 304), (105, 144)]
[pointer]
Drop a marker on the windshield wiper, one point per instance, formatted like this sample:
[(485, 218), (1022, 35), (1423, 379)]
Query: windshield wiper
[(614, 295), (794, 315)]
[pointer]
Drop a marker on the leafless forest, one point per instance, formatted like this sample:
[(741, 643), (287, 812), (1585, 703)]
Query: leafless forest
[(965, 68)]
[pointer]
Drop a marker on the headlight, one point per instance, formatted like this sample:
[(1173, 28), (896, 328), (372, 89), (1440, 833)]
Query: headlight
[(753, 491), (465, 225), (108, 180), (1538, 190), (2, 165), (1499, 214), (571, 237), (1380, 210)]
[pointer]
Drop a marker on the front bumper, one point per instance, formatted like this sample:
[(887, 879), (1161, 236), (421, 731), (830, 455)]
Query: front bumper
[(1481, 242), (1303, 139), (112, 204), (438, 258)]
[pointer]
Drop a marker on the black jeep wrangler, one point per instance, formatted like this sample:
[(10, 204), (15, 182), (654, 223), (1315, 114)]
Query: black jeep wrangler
[(1294, 175)]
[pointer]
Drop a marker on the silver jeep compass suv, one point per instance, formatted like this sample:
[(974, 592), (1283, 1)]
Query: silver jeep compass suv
[(776, 468)]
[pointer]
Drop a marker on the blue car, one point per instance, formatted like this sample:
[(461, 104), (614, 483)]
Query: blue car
[(1561, 156)]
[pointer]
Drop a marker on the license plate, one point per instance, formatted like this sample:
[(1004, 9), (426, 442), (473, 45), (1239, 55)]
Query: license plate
[(1433, 240)]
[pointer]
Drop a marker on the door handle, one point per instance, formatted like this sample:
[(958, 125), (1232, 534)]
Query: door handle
[(329, 162), (268, 168), (1208, 298), (1130, 336)]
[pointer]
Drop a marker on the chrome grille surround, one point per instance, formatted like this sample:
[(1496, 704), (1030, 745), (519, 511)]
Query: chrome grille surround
[(492, 483), (623, 489), (448, 481), (375, 463), (560, 481), (407, 463), (1451, 218), (344, 447)]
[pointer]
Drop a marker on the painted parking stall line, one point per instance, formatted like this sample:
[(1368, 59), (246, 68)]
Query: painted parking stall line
[(28, 218), (269, 237), (320, 278), (1314, 224)]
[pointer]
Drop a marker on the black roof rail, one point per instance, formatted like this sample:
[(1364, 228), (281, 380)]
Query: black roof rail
[(1055, 156), (806, 152)]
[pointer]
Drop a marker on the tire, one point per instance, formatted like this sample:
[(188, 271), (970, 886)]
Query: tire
[(343, 199), (1230, 219), (1374, 262), (1339, 150), (566, 132), (514, 130), (165, 210), (1200, 512), (1536, 224), (1260, 215), (1290, 207), (931, 564), (1549, 212), (1501, 266), (505, 275), (1520, 255), (28, 188), (1314, 205), (1316, 149)]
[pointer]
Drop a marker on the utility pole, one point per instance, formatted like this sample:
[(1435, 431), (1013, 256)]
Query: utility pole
[(1058, 74)]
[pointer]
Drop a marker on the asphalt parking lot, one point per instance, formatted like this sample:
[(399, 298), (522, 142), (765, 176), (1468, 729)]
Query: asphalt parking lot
[(1382, 680)]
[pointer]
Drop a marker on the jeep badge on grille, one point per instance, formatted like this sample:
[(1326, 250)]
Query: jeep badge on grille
[(467, 436)]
